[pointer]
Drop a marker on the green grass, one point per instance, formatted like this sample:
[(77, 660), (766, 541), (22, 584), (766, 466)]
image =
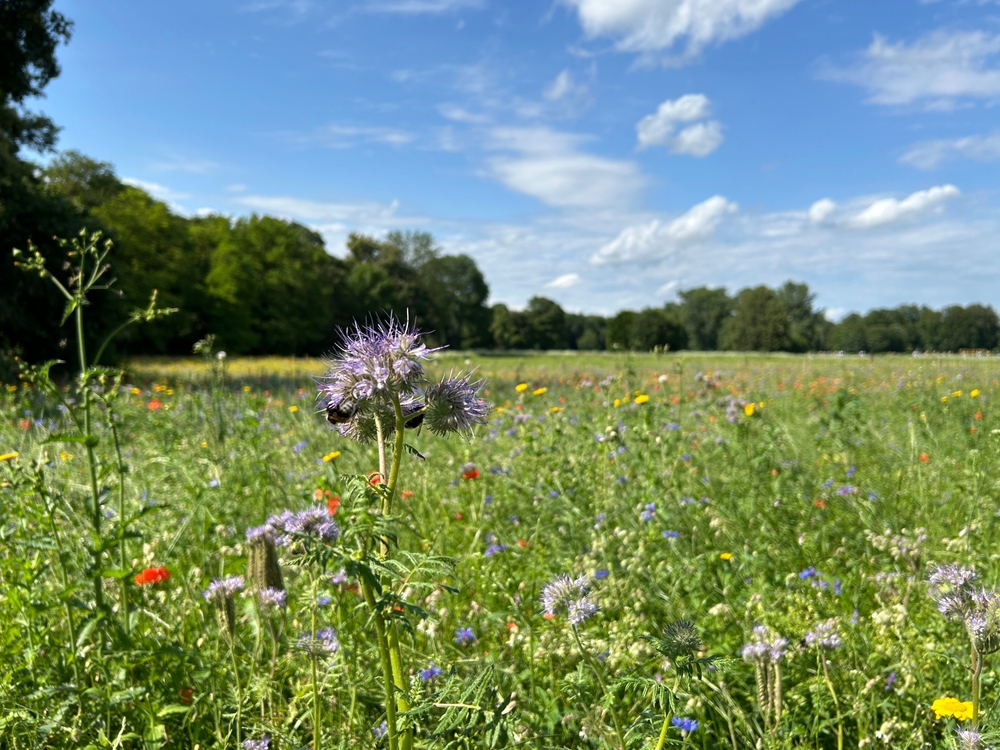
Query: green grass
[(912, 483)]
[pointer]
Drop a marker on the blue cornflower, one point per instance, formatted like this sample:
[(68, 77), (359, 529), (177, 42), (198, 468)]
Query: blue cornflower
[(809, 572), (649, 513), (620, 449), (214, 483), (685, 725), (836, 586), (601, 574), (514, 520), (686, 457), (488, 499), (464, 636), (553, 493), (380, 731), (850, 472), (671, 534), (673, 426), (430, 672), (890, 681), (872, 495), (495, 549), (297, 448), (846, 490), (828, 482), (622, 480), (322, 600)]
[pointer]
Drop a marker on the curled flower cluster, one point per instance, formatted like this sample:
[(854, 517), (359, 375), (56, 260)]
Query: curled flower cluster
[(763, 648), (824, 635), (570, 597), (264, 742), (323, 645), (381, 365), (221, 589), (953, 588), (271, 598), (280, 529)]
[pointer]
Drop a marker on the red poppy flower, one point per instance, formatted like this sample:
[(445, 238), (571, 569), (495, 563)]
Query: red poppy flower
[(458, 516), (25, 424), (187, 696), (978, 415), (374, 478), (924, 458), (152, 575), (407, 494), (154, 404), (471, 474), (332, 504), (820, 503), (522, 542)]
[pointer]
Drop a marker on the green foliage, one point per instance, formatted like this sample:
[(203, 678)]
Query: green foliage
[(760, 323), (703, 311)]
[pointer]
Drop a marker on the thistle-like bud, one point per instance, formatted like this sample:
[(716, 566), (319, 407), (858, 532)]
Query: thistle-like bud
[(263, 568), (680, 639), (222, 592)]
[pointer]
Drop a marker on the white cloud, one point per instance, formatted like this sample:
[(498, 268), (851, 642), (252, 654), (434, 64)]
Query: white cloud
[(937, 71), (306, 210), (157, 191), (339, 136), (657, 129), (820, 210), (698, 140), (889, 210), (460, 114), (563, 87), (194, 166), (929, 155), (416, 7), (236, 188), (548, 165), (564, 282), (657, 240), (649, 26)]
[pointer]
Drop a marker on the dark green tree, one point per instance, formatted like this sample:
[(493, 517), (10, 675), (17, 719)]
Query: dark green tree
[(88, 183), (509, 328), (972, 327), (619, 330), (806, 327), (546, 324), (703, 311), (586, 332), (760, 323)]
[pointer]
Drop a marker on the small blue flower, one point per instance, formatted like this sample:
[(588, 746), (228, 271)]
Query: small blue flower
[(828, 482), (601, 574), (850, 472), (430, 672), (322, 600), (836, 586), (464, 636), (495, 549), (684, 724), (381, 730), (553, 493), (214, 483), (297, 448), (673, 426), (686, 457), (872, 495), (808, 573), (649, 513), (622, 480), (621, 449), (890, 681), (488, 499), (846, 490), (671, 534)]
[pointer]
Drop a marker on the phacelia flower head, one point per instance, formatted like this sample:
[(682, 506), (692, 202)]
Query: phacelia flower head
[(224, 588), (764, 646), (680, 639), (570, 597), (271, 598), (454, 405), (264, 742), (323, 645), (824, 635)]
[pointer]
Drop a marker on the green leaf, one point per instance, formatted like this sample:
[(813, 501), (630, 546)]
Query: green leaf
[(65, 437), (173, 708), (115, 573)]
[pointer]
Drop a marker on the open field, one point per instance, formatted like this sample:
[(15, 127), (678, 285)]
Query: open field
[(808, 495)]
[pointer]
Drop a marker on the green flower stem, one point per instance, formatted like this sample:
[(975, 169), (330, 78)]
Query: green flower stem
[(383, 652), (239, 692), (604, 687), (663, 731), (836, 702), (977, 671), (317, 715), (122, 546)]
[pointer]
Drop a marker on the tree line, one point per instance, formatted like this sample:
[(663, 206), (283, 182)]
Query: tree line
[(264, 285)]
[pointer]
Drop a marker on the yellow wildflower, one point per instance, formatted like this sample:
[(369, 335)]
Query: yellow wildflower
[(136, 392), (246, 389), (9, 456), (11, 389), (539, 391), (293, 409), (727, 556), (555, 409), (66, 456), (332, 456), (618, 402), (957, 394), (521, 387), (762, 404), (974, 393), (749, 409), (944, 399), (641, 398), (204, 444), (961, 710)]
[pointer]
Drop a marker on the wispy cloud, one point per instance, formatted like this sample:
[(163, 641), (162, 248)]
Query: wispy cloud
[(890, 210), (550, 166), (936, 72), (929, 155), (415, 7), (307, 210), (194, 166), (564, 282), (156, 190), (339, 136)]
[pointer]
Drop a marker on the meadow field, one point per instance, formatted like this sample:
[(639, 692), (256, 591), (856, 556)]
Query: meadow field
[(746, 540)]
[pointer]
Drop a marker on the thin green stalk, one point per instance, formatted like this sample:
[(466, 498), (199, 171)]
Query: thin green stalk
[(383, 652), (317, 716), (239, 692), (836, 703), (604, 687), (977, 671), (663, 731), (122, 547)]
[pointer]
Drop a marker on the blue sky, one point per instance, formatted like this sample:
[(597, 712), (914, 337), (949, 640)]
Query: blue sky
[(604, 153)]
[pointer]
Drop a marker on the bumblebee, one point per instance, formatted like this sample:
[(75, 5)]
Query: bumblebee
[(412, 423), (340, 413)]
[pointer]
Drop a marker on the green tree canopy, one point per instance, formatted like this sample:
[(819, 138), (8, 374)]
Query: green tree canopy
[(760, 323), (703, 311)]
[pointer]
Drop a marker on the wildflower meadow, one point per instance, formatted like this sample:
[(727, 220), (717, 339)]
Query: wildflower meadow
[(399, 547)]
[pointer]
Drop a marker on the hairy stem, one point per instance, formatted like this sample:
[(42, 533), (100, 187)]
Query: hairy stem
[(604, 687)]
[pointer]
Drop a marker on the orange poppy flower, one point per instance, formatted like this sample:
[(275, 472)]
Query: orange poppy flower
[(152, 575), (154, 404), (471, 474)]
